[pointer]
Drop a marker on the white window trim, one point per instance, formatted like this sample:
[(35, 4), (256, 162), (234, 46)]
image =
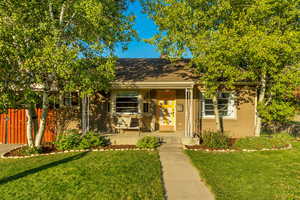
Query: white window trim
[(127, 113), (231, 107)]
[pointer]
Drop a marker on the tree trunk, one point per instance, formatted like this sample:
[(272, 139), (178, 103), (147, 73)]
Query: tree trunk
[(260, 100), (34, 120), (41, 131), (31, 123), (83, 116), (29, 127), (217, 113), (61, 115)]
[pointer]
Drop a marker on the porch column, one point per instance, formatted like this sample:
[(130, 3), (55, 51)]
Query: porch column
[(188, 112)]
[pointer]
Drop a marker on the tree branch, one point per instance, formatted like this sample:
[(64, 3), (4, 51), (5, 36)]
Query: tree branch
[(69, 21), (51, 11), (62, 12)]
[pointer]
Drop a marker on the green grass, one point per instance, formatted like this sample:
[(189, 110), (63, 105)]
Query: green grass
[(95, 175), (269, 175)]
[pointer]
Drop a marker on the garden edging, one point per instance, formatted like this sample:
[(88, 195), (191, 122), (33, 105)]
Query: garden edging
[(68, 151), (242, 150)]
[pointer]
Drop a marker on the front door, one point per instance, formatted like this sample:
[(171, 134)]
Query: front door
[(166, 101)]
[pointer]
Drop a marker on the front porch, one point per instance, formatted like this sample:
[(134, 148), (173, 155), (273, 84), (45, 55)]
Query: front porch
[(155, 108), (131, 138)]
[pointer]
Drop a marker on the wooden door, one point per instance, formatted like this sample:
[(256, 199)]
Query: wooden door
[(166, 113)]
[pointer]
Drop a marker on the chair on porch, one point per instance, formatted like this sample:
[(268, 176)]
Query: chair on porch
[(129, 122)]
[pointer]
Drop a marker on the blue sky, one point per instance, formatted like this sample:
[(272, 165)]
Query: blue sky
[(145, 28)]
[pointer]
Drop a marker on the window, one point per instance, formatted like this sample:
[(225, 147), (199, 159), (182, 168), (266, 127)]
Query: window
[(146, 107), (180, 108), (71, 99), (127, 102), (225, 105)]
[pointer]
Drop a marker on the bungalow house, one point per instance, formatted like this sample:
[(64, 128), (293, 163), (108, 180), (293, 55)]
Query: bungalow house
[(155, 95)]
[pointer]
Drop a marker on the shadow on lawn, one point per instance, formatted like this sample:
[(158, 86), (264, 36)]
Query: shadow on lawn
[(43, 167)]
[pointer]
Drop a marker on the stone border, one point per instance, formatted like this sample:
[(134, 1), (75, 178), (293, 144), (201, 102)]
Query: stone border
[(68, 151), (243, 150)]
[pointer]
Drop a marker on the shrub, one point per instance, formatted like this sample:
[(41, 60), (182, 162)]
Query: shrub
[(92, 139), (215, 140), (26, 151), (149, 142), (257, 143), (71, 131), (66, 142)]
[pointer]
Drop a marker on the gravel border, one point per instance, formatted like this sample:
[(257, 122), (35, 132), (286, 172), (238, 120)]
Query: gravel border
[(242, 150), (68, 151)]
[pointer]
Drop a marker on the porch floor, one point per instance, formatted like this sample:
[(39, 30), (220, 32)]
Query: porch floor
[(132, 137)]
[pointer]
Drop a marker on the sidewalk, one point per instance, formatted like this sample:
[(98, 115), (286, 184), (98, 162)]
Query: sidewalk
[(181, 179), (7, 147)]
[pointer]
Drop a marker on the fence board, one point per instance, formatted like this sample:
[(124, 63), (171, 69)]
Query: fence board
[(16, 126)]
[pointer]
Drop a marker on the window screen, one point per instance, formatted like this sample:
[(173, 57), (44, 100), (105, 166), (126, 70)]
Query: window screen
[(127, 102)]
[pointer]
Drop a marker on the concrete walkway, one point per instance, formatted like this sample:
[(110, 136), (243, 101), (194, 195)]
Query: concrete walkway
[(7, 147), (181, 178)]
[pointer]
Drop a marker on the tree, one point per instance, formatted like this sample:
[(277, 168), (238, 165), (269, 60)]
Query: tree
[(62, 45), (232, 41)]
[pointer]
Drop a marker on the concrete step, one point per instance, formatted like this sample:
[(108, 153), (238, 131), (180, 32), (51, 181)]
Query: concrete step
[(170, 139)]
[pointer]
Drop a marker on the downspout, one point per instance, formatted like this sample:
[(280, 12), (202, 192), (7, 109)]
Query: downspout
[(186, 114)]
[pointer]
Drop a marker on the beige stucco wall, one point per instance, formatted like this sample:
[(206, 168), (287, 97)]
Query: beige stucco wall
[(242, 125)]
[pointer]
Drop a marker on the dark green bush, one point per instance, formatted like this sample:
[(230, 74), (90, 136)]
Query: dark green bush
[(149, 142), (268, 142), (91, 140), (215, 140), (26, 151), (74, 140), (67, 142), (71, 131)]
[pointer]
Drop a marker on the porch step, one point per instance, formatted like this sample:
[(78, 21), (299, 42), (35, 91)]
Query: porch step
[(170, 139)]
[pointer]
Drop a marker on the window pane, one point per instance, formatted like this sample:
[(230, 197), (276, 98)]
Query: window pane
[(209, 113), (127, 94), (131, 99), (208, 101), (224, 105), (127, 110), (223, 101), (224, 95), (127, 102), (209, 107)]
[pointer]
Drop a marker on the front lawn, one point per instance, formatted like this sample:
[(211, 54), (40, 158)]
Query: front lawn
[(257, 175), (93, 175)]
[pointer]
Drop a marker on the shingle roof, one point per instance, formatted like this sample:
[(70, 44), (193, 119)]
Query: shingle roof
[(152, 70)]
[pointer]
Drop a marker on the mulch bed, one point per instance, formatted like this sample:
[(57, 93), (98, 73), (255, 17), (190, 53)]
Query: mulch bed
[(51, 149), (201, 147)]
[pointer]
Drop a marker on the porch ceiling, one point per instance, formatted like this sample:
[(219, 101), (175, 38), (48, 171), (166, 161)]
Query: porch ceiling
[(153, 85)]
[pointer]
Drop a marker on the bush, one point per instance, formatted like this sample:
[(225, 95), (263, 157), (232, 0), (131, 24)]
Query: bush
[(149, 142), (71, 131), (73, 140), (67, 142), (92, 139), (216, 140), (268, 142), (26, 151)]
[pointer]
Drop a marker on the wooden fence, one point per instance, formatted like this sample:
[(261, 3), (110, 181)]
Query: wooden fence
[(13, 126)]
